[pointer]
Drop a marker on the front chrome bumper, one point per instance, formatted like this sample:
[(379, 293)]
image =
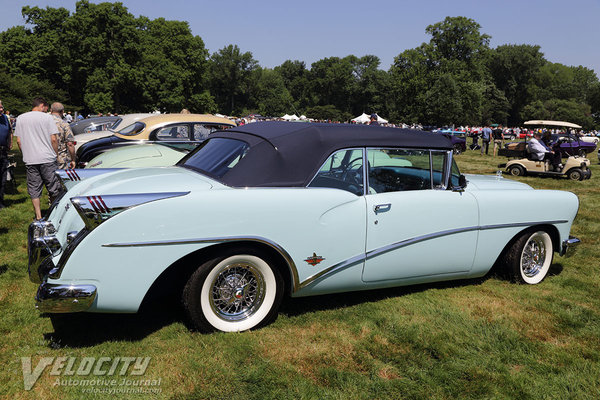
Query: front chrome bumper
[(569, 246), (58, 298), (42, 244)]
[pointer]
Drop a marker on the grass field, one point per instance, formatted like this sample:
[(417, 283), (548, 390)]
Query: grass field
[(484, 338)]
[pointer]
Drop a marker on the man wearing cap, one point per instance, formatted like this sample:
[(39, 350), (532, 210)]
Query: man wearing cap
[(373, 120), (37, 137), (5, 145), (539, 151)]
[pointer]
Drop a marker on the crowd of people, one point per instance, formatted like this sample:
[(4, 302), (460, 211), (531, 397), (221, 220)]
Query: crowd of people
[(46, 143)]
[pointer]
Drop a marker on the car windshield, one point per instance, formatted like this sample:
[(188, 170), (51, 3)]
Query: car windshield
[(132, 129), (216, 157)]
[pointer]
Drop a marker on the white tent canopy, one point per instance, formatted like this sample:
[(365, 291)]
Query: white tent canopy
[(361, 119), (364, 118), (293, 117)]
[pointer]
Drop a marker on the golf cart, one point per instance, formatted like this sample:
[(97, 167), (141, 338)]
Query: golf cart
[(521, 163)]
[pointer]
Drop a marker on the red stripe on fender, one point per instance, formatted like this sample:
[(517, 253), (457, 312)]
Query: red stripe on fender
[(93, 204), (102, 210), (104, 204)]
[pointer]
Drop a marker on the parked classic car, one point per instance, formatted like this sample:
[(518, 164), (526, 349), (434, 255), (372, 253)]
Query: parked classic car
[(139, 155), (572, 145), (185, 131), (459, 144), (272, 209), (93, 124), (123, 121)]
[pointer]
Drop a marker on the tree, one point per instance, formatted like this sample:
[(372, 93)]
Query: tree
[(17, 91), (296, 80), (270, 96), (560, 110), (513, 70), (230, 75), (331, 81)]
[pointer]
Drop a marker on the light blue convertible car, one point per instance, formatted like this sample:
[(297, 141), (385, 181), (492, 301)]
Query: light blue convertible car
[(281, 209)]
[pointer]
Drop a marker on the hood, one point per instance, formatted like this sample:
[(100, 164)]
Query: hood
[(492, 182)]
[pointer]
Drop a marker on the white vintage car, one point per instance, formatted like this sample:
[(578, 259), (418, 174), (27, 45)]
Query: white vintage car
[(284, 209)]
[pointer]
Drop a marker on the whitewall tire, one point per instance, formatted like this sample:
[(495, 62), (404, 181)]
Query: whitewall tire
[(233, 293)]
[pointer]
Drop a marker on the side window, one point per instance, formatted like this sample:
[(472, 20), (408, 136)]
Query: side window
[(438, 161), (201, 131), (174, 132), (395, 170), (342, 170)]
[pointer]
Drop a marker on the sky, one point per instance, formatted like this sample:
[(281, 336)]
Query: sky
[(568, 32)]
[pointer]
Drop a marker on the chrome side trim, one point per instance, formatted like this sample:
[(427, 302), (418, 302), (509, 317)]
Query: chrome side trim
[(407, 242), (288, 259), (296, 285), (53, 298), (332, 270)]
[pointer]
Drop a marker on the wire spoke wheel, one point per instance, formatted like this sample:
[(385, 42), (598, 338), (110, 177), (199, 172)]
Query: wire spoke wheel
[(237, 291), (529, 258), (533, 257)]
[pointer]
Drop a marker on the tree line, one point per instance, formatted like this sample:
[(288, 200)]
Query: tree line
[(101, 58)]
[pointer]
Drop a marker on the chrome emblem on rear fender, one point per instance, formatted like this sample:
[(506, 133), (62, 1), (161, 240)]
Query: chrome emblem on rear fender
[(314, 260)]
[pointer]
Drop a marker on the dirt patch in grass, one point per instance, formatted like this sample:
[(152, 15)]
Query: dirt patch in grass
[(530, 322), (308, 348)]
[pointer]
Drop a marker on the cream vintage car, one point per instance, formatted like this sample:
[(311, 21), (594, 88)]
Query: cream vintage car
[(278, 209), (184, 131)]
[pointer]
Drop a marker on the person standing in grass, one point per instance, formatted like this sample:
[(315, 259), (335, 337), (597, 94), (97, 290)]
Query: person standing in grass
[(37, 137), (66, 140), (486, 135), (5, 145)]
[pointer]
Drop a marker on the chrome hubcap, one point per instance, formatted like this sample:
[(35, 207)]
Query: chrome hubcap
[(237, 291), (534, 255)]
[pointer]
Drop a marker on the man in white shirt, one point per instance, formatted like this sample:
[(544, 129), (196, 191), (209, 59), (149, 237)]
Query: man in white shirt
[(37, 137), (540, 151)]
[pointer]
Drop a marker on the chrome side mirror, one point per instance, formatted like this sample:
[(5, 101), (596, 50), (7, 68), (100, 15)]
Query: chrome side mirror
[(462, 184)]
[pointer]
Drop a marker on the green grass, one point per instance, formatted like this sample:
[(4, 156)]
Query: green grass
[(484, 338)]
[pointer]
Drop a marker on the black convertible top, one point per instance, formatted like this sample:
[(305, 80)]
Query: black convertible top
[(291, 153)]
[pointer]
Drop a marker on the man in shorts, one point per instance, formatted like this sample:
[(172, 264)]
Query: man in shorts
[(37, 137)]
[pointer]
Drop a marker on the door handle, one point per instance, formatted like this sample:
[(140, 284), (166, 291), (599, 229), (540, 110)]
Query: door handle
[(382, 208)]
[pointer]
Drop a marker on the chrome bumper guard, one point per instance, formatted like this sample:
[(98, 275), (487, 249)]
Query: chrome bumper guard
[(57, 298), (569, 246), (42, 244)]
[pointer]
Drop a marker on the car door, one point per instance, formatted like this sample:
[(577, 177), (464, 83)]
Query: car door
[(415, 226)]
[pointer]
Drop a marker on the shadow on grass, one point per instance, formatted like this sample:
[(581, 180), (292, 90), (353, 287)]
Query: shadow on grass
[(3, 268), (301, 305), (3, 231), (89, 329), (19, 200)]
